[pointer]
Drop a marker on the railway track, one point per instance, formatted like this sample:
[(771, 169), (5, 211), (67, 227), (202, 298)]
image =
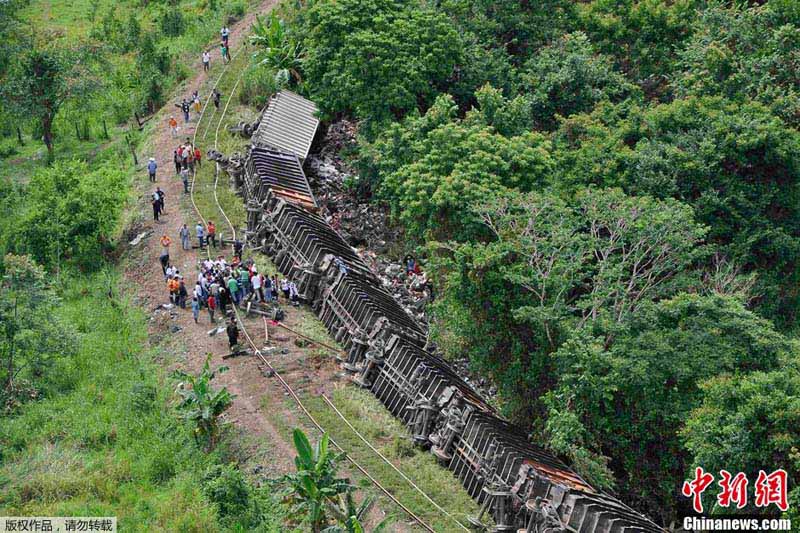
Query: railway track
[(522, 487), (419, 521)]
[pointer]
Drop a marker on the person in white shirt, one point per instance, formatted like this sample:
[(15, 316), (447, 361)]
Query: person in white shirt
[(206, 60), (285, 288), (294, 296), (256, 282)]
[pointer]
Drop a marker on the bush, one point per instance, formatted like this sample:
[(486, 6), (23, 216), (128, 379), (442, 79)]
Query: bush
[(258, 85), (172, 23), (225, 486), (234, 11)]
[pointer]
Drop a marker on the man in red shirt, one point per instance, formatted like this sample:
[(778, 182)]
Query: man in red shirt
[(211, 230), (212, 305)]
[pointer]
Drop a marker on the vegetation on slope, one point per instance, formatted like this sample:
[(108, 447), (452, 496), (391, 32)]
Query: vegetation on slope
[(606, 193)]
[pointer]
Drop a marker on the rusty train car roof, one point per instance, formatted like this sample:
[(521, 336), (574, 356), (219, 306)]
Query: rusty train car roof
[(283, 173), (289, 124)]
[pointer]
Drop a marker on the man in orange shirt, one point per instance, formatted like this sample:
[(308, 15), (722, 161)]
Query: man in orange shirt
[(165, 242), (173, 285), (211, 230), (173, 126)]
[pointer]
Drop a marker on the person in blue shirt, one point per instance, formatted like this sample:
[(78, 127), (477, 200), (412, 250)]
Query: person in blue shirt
[(151, 169)]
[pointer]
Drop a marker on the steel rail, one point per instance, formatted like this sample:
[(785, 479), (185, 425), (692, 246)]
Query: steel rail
[(258, 353)]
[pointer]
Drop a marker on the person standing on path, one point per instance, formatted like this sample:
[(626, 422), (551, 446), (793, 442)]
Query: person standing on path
[(212, 233), (215, 95), (185, 179), (182, 293), (176, 158), (212, 306), (223, 50), (195, 309), (206, 60), (225, 33), (151, 169), (156, 206), (256, 283), (184, 233), (161, 197), (173, 126), (196, 101), (233, 334), (185, 107), (233, 288), (165, 242), (200, 232)]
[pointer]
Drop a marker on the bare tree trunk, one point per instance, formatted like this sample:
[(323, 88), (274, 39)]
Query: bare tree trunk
[(47, 137)]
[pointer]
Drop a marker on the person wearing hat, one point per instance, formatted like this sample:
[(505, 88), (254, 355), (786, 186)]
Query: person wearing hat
[(151, 169)]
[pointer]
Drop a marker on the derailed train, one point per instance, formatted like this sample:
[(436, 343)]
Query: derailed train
[(519, 486)]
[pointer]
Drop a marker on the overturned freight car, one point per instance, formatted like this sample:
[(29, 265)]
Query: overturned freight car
[(519, 485)]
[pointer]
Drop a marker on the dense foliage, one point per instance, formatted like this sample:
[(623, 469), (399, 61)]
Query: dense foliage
[(607, 195), (68, 214)]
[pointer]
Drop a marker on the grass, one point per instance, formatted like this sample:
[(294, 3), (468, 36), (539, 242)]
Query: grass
[(104, 441), (391, 438), (213, 130)]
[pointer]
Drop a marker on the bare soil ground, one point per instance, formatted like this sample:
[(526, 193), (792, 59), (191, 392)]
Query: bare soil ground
[(175, 329), (262, 411)]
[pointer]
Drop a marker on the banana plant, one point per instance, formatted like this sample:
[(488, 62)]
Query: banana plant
[(276, 49), (349, 515), (315, 485), (201, 404)]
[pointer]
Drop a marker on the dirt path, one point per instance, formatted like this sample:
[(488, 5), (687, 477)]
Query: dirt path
[(175, 329), (262, 410)]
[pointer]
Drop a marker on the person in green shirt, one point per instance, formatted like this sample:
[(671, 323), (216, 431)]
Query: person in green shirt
[(244, 283), (233, 288)]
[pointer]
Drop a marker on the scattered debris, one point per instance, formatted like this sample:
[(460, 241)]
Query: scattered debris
[(238, 352), (215, 331), (140, 237)]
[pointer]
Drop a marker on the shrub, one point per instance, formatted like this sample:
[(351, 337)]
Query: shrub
[(225, 486), (258, 85), (234, 11)]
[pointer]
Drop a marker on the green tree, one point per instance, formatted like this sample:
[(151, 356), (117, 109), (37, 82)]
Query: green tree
[(745, 54), (570, 77), (748, 423), (641, 35), (277, 50), (376, 59), (47, 76), (31, 336), (201, 404), (70, 214), (548, 268), (440, 165), (733, 163), (623, 405)]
